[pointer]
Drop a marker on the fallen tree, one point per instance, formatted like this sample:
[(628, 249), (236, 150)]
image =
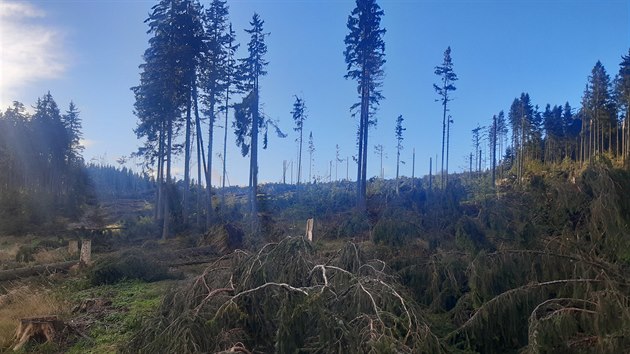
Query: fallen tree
[(43, 269), (285, 299)]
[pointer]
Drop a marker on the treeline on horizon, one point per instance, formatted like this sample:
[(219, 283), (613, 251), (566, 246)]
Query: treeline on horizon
[(43, 177), (41, 167), (559, 132)]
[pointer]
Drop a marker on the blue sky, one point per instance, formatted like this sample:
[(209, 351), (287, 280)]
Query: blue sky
[(89, 51)]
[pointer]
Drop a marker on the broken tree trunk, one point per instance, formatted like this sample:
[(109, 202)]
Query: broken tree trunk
[(37, 328), (309, 230)]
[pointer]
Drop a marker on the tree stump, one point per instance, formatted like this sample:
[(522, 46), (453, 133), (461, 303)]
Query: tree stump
[(73, 247), (41, 329), (309, 229), (86, 252)]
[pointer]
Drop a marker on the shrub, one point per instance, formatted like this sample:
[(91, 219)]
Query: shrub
[(131, 264), (393, 232), (354, 225), (470, 236), (25, 254), (140, 228)]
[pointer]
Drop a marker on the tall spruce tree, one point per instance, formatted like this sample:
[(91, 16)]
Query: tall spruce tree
[(166, 82), (476, 137), (623, 102), (248, 122), (554, 133), (365, 57), (571, 132), (447, 80), (231, 81), (72, 122), (502, 131), (216, 73), (311, 151), (598, 108), (494, 138), (299, 116), (399, 146), (524, 126)]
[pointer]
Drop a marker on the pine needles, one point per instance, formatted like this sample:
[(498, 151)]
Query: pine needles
[(285, 299)]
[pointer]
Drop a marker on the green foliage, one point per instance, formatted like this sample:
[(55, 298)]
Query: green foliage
[(469, 235), (42, 176), (143, 227), (112, 326), (284, 299), (395, 231), (131, 264), (354, 224), (437, 281)]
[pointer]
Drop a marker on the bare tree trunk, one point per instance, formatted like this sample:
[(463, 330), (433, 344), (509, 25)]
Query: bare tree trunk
[(166, 198), (201, 158), (443, 139), (187, 160), (198, 187), (159, 179), (494, 150), (161, 162), (448, 135), (413, 167), (209, 164), (431, 172), (254, 156), (299, 167), (366, 127), (360, 153), (397, 169), (227, 106)]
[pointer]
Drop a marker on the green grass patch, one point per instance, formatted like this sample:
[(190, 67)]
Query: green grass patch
[(131, 301)]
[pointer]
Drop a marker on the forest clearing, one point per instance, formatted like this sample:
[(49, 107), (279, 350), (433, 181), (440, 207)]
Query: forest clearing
[(190, 239), (423, 271)]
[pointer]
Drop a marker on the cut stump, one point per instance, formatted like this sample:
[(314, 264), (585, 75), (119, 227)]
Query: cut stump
[(86, 252), (73, 247), (309, 230), (41, 329)]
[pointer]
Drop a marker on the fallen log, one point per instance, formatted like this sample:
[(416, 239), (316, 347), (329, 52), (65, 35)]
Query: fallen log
[(12, 274), (192, 262), (174, 258)]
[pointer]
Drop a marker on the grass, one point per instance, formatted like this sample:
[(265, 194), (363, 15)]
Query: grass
[(8, 252), (51, 256), (131, 301), (26, 301), (41, 250)]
